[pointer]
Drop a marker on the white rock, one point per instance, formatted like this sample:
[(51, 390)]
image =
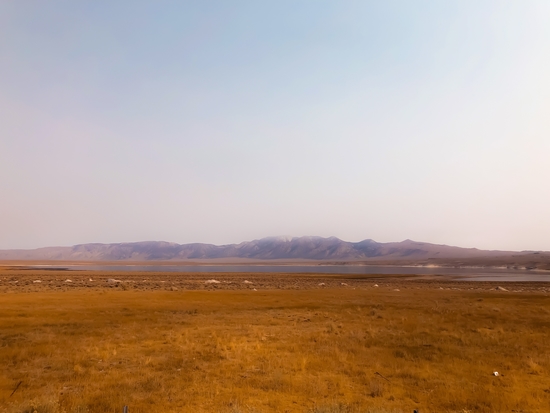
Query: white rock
[(343, 284), (375, 285), (211, 282), (37, 281), (247, 282), (321, 284), (113, 281), (501, 289), (68, 281), (495, 373)]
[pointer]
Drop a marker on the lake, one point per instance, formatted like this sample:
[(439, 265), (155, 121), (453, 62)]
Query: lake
[(465, 274)]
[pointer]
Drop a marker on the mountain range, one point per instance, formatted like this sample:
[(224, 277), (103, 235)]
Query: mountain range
[(271, 248)]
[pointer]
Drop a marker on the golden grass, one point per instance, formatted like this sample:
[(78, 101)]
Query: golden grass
[(315, 351)]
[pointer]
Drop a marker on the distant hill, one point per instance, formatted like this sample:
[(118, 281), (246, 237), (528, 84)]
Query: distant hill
[(271, 248)]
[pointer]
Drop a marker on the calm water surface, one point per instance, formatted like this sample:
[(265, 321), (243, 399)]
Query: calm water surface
[(465, 274)]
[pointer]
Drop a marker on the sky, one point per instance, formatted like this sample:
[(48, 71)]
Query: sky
[(226, 121)]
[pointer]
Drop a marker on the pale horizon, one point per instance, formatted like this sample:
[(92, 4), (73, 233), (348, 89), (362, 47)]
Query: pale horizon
[(226, 122)]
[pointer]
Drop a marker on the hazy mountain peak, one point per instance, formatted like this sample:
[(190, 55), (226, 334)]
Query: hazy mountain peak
[(269, 248), (280, 238)]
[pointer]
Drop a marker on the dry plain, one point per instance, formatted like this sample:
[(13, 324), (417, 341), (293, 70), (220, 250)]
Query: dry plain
[(167, 342)]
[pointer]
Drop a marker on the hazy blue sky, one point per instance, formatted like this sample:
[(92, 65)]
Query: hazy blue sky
[(225, 121)]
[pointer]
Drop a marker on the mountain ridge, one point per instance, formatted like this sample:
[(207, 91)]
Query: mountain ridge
[(269, 248)]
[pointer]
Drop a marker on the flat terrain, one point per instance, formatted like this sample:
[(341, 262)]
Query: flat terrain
[(41, 280), (168, 342)]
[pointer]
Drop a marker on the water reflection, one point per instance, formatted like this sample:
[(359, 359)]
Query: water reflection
[(465, 274)]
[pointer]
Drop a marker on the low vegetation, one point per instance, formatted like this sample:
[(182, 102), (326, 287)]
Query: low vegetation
[(313, 351)]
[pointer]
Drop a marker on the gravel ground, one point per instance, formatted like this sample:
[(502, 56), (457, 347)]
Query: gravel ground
[(31, 280)]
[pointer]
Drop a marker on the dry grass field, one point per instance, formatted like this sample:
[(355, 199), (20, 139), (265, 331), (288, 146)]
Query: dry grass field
[(338, 349)]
